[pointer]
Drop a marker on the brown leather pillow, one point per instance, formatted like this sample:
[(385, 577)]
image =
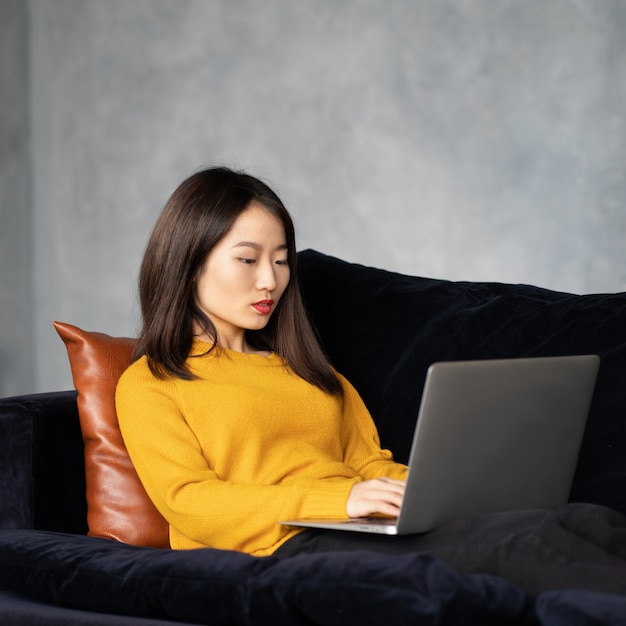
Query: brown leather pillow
[(117, 504)]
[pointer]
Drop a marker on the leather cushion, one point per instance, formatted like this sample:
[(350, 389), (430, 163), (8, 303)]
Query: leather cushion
[(117, 505)]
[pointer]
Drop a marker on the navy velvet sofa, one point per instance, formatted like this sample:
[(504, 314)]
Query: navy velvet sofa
[(382, 330)]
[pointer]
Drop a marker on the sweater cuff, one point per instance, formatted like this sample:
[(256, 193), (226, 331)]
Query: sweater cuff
[(328, 499)]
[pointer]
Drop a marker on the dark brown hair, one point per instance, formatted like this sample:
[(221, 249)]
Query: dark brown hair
[(196, 217)]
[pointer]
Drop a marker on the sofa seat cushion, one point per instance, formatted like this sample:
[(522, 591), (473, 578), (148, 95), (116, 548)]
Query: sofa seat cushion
[(209, 586), (18, 609)]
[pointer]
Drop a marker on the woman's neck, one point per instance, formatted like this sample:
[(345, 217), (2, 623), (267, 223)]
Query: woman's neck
[(235, 344)]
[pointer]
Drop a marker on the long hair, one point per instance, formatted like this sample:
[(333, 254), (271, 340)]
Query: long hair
[(197, 216)]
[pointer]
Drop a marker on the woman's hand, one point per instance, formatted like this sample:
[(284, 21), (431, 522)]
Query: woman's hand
[(379, 495)]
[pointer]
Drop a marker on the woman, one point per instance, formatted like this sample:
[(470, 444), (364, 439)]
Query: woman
[(235, 420), (231, 411)]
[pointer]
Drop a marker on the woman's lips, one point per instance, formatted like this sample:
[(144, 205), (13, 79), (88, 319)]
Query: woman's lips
[(264, 307)]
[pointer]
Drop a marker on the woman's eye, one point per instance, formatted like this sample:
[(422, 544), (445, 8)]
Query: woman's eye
[(247, 261), (282, 262)]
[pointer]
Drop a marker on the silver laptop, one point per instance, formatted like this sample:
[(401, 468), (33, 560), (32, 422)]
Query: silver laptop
[(492, 435)]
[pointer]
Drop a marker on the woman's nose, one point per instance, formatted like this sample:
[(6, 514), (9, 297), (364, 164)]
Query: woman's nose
[(267, 278)]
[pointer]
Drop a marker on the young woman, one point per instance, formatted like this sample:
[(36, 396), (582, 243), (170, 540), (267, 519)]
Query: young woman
[(235, 420), (231, 414)]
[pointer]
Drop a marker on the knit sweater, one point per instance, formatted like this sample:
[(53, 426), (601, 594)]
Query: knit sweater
[(245, 444)]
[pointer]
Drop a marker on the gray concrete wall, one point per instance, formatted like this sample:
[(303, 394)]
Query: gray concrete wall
[(463, 139), (16, 284)]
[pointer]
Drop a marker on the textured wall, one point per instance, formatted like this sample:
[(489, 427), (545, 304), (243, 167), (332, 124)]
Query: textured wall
[(464, 139), (16, 327)]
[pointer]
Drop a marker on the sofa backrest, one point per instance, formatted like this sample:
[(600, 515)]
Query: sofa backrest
[(382, 330)]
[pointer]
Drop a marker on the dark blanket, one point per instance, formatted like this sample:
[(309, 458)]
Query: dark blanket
[(579, 546)]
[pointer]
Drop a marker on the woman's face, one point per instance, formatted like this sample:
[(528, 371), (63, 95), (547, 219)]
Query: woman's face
[(244, 277)]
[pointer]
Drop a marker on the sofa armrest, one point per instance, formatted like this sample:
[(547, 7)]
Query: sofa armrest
[(42, 472)]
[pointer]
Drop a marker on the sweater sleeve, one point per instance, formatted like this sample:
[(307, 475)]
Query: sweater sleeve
[(361, 441), (200, 507)]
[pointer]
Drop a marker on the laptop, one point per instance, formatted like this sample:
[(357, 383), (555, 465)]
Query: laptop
[(491, 435)]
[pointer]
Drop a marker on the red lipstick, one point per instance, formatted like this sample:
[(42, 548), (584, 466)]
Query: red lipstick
[(264, 307)]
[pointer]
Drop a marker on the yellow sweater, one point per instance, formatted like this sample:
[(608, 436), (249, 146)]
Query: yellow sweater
[(247, 444)]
